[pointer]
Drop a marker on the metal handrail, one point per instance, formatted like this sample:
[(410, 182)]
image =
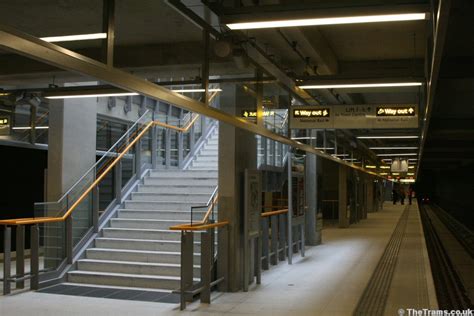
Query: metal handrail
[(28, 221)]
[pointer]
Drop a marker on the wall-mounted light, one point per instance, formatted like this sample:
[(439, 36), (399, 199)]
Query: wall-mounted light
[(327, 21), (78, 37)]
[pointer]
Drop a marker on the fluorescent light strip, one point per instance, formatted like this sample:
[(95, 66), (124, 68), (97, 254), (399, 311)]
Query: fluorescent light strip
[(384, 167), (387, 137), (324, 148), (397, 155), (196, 90), (78, 37), (305, 137), (370, 167), (362, 85), (388, 148), (407, 180), (340, 155), (81, 96), (28, 127), (327, 21)]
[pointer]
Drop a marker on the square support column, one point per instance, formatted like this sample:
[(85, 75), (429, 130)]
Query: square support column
[(237, 152)]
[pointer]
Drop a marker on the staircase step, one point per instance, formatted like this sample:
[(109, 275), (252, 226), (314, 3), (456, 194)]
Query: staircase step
[(160, 205), (137, 255), (140, 233), (165, 189), (209, 164), (145, 223), (182, 181), (198, 214), (130, 267), (128, 280), (199, 198), (183, 174), (142, 244), (206, 158)]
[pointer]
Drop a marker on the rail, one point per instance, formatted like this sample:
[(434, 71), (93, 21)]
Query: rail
[(82, 195)]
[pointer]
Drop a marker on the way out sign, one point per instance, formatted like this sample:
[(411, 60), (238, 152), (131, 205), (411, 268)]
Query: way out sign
[(355, 116)]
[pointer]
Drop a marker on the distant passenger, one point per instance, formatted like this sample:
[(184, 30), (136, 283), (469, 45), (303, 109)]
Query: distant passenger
[(402, 195), (410, 194), (394, 196)]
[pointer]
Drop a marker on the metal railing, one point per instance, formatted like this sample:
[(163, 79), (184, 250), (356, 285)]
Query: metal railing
[(65, 227), (274, 242)]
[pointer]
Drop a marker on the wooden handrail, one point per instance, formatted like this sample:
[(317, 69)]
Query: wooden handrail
[(101, 175), (266, 214), (274, 206), (62, 218), (199, 226), (209, 209)]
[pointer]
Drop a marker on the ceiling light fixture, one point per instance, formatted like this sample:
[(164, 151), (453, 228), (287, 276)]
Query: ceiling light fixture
[(384, 167), (327, 21), (95, 95), (397, 155), (29, 127), (389, 148), (361, 85), (196, 90), (388, 137), (78, 37), (370, 167)]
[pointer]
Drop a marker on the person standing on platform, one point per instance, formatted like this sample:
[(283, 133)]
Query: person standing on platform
[(410, 194), (402, 195), (394, 196)]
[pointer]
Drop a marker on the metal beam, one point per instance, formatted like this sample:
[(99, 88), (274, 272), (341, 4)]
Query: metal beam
[(108, 27), (438, 47), (27, 45)]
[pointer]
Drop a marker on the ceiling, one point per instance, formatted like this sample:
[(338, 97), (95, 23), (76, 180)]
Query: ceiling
[(156, 41)]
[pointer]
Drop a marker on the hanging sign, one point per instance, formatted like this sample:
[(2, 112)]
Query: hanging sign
[(253, 113), (368, 116)]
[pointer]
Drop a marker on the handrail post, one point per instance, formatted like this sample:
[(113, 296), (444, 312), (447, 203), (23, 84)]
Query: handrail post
[(69, 239), (154, 147), (7, 236), (167, 148), (95, 208), (34, 245), (265, 253), (138, 157), (118, 181), (180, 150), (282, 237), (274, 244), (187, 261), (206, 263), (20, 255)]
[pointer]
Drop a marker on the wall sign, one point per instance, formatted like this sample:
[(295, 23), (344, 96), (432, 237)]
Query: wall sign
[(370, 116)]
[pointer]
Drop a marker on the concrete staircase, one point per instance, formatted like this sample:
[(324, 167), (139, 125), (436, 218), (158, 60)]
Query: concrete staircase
[(137, 249), (207, 158)]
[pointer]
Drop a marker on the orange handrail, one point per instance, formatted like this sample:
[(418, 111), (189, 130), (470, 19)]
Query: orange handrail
[(29, 221), (21, 221), (266, 214), (200, 226)]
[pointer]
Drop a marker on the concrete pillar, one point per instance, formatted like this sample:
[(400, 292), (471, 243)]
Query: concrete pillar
[(237, 152), (342, 197), (311, 199), (72, 143), (71, 152)]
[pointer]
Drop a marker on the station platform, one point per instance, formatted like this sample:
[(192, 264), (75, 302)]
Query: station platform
[(379, 264)]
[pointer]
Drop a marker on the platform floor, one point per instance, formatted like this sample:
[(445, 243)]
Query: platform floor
[(328, 281)]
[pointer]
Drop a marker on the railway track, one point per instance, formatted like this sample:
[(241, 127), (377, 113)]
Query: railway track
[(451, 292)]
